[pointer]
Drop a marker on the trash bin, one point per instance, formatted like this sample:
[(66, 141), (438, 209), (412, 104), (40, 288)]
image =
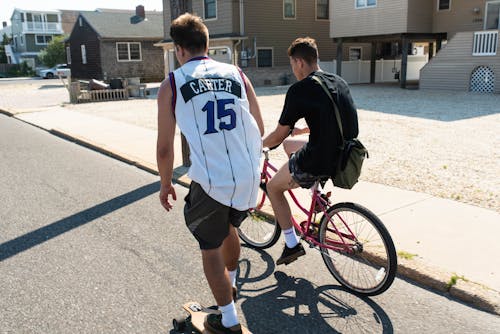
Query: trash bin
[(116, 84)]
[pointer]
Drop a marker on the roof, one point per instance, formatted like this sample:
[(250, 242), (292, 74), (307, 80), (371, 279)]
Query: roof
[(118, 25)]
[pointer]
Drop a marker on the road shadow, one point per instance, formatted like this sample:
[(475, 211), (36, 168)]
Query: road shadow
[(48, 232), (295, 305)]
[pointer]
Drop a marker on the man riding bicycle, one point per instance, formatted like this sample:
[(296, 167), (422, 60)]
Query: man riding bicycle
[(314, 158)]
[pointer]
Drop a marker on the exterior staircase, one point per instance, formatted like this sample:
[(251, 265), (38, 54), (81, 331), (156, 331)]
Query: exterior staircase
[(470, 61)]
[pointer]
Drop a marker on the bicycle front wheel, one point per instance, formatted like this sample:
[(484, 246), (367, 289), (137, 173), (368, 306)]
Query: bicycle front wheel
[(259, 230), (364, 258)]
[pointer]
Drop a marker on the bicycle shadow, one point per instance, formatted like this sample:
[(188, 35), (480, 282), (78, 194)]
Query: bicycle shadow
[(295, 305)]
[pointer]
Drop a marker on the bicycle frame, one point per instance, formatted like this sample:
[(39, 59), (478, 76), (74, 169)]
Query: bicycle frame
[(305, 227)]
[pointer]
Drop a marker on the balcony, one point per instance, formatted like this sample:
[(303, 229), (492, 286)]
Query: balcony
[(42, 27), (485, 43)]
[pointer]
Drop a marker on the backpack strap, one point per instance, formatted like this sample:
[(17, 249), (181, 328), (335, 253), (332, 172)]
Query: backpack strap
[(335, 108)]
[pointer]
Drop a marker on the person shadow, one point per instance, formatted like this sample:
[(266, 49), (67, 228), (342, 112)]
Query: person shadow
[(274, 302)]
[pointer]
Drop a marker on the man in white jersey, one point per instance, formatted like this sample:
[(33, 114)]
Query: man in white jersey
[(215, 107)]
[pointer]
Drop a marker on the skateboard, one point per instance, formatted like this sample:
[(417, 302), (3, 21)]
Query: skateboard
[(193, 323)]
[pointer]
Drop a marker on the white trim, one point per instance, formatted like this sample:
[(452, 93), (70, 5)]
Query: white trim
[(204, 15), (294, 11), (441, 10), (68, 55), (316, 12), (257, 56), (45, 39), (360, 52), (366, 5), (84, 54), (129, 53)]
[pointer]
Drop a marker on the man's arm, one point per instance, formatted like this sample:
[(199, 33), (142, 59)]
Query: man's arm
[(254, 105), (165, 144), (277, 136)]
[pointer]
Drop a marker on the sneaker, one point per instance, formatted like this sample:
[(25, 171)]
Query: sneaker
[(291, 254), (213, 323)]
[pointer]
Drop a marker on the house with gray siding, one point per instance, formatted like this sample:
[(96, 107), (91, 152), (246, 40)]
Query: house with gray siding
[(112, 44), (255, 35), (31, 31), (460, 38)]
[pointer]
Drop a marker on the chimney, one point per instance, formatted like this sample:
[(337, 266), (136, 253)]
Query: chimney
[(4, 24), (139, 11)]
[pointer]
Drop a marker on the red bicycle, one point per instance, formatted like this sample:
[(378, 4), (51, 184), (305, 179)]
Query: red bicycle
[(354, 243)]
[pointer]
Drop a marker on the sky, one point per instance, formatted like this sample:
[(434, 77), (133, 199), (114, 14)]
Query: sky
[(7, 6)]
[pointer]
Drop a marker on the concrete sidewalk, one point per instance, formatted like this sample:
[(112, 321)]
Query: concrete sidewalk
[(454, 241)]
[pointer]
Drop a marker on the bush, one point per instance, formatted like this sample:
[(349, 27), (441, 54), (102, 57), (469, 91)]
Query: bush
[(54, 53), (21, 70)]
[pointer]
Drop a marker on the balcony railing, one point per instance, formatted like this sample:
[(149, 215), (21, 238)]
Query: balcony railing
[(485, 43), (42, 26)]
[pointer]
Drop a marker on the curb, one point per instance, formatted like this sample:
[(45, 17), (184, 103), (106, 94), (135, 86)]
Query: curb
[(446, 283), (6, 112)]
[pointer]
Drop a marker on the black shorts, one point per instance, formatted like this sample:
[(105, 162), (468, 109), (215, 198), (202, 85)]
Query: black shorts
[(303, 179), (207, 219)]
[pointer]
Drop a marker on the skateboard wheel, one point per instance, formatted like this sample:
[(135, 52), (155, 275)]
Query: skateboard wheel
[(179, 324)]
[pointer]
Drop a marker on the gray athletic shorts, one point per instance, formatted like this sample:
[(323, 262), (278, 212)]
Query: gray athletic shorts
[(207, 219), (303, 179)]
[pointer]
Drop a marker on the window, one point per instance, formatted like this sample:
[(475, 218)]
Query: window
[(355, 53), (22, 39), (289, 9), (84, 54), (42, 39), (128, 51), (265, 58), (366, 3), (322, 10), (210, 9), (68, 55), (444, 4), (492, 16)]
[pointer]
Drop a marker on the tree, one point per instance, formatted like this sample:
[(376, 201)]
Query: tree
[(54, 53)]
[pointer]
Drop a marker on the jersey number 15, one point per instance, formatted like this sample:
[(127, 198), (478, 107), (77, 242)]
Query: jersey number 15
[(223, 110)]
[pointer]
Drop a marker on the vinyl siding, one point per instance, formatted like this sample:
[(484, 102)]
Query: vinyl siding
[(264, 21), (452, 67), (388, 17), (420, 15), (460, 17), (223, 24)]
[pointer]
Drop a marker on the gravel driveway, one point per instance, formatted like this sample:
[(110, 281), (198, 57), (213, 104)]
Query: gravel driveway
[(438, 142)]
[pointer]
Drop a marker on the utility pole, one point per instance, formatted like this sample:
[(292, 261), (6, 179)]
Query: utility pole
[(177, 8)]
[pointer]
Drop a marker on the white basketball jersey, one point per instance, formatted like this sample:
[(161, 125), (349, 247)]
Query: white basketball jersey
[(212, 111)]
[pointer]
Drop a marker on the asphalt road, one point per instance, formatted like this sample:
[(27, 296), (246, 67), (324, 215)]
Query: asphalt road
[(85, 247)]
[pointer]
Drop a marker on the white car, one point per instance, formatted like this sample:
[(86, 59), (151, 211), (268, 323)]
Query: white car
[(59, 70)]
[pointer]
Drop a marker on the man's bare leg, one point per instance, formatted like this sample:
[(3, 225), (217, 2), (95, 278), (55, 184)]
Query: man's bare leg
[(216, 274), (276, 188)]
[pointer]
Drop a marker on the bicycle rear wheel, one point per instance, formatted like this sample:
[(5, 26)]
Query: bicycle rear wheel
[(259, 230), (367, 262)]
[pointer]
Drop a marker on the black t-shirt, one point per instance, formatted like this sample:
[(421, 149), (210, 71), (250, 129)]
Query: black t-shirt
[(306, 99)]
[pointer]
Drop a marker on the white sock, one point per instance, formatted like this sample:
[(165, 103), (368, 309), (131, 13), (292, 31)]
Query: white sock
[(232, 277), (291, 239), (229, 315)]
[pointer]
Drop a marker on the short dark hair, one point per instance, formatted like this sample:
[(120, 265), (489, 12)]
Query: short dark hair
[(189, 32), (304, 48)]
